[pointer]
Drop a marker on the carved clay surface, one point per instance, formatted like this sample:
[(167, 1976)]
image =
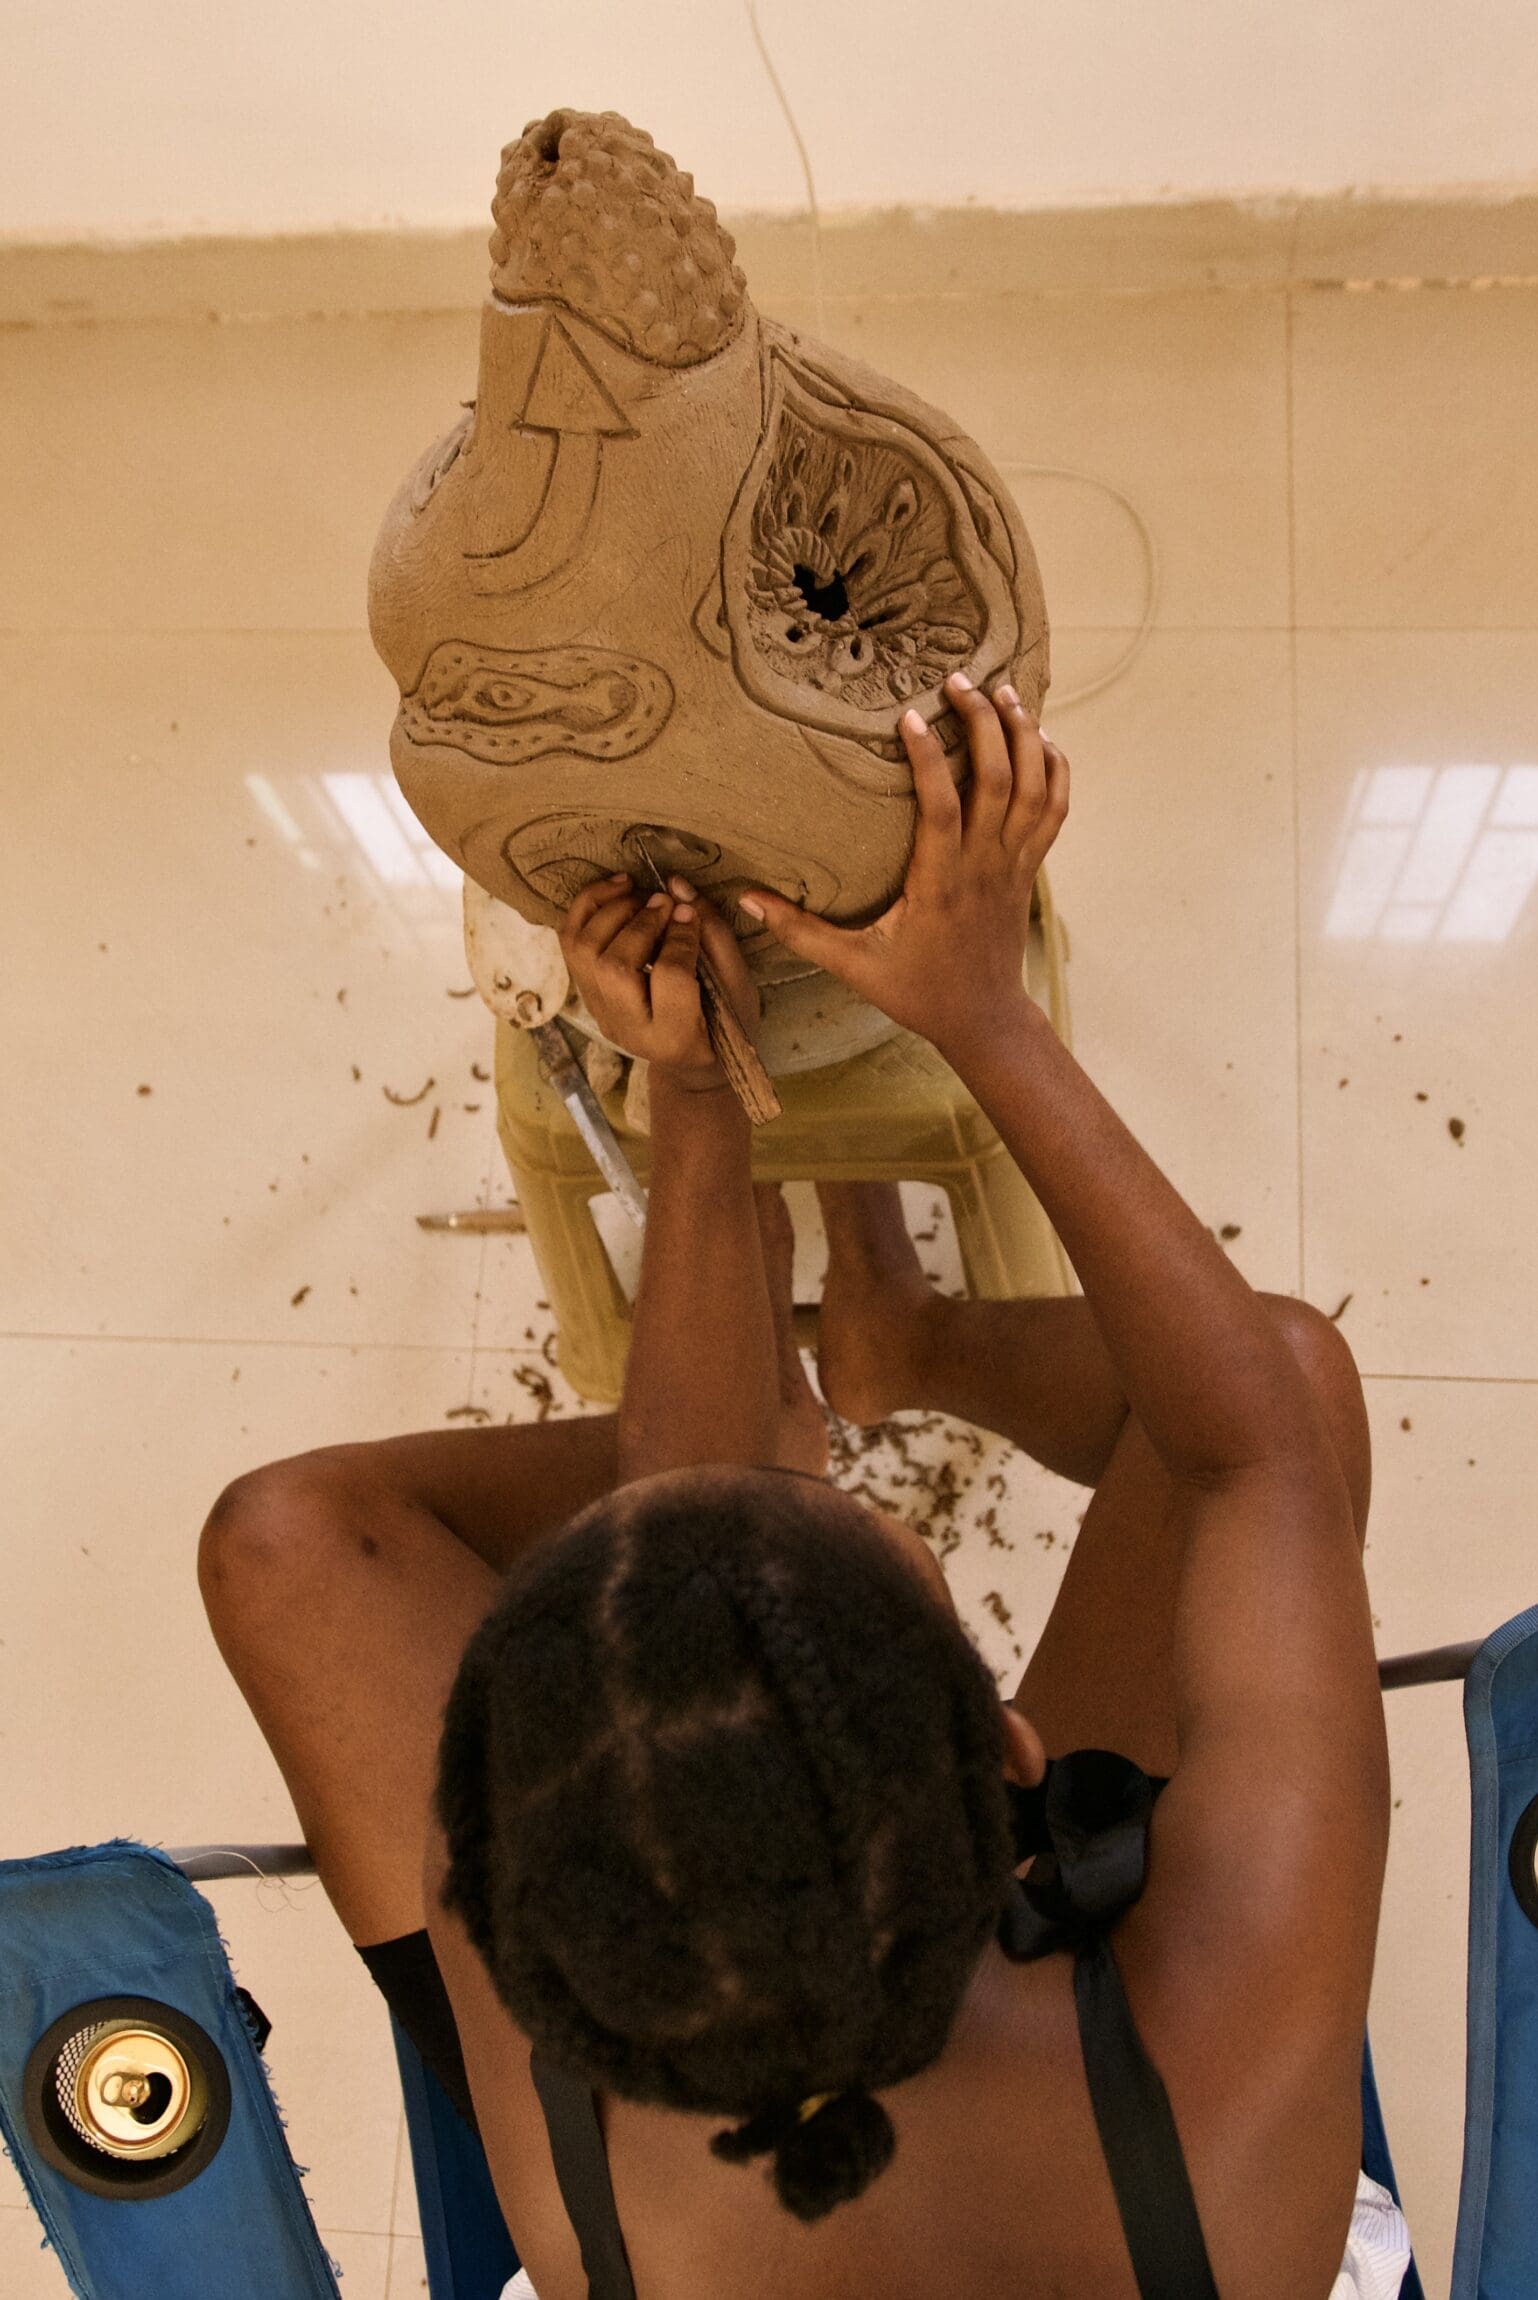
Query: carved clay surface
[(588, 210), (851, 578), (507, 706), (680, 569)]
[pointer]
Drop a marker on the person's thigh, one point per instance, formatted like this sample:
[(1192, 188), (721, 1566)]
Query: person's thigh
[(342, 1587)]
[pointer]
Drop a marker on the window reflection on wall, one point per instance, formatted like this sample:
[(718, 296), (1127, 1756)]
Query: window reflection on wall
[(358, 825), (1445, 854)]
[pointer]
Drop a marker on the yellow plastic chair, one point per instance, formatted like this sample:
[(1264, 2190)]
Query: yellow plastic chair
[(896, 1113)]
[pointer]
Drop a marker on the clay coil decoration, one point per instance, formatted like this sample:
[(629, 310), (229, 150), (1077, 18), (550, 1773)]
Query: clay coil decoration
[(677, 572)]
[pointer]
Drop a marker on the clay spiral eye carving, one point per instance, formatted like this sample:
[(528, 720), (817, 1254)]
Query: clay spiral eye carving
[(508, 706)]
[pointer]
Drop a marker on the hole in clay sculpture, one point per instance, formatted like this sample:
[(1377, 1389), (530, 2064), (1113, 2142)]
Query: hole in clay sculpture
[(855, 587), (829, 599)]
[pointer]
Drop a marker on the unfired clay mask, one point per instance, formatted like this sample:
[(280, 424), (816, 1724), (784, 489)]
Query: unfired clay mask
[(680, 570)]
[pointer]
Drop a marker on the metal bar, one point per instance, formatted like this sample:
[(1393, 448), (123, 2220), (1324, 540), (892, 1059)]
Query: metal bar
[(1439, 1665), (201, 1863)]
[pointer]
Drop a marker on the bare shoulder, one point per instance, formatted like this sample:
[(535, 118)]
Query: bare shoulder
[(497, 2057)]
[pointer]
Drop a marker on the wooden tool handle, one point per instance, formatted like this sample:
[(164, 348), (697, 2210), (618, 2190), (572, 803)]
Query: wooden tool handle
[(734, 1049)]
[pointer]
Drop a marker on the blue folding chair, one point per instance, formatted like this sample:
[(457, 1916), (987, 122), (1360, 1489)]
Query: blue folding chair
[(119, 2016)]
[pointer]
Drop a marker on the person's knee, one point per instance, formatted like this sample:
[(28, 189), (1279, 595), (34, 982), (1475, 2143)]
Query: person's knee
[(268, 1535), (1325, 1360)]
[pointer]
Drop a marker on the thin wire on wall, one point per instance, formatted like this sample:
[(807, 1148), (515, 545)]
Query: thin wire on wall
[(1062, 699), (808, 178)]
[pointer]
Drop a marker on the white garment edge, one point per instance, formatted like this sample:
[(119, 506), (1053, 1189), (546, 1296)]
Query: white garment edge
[(1377, 2251)]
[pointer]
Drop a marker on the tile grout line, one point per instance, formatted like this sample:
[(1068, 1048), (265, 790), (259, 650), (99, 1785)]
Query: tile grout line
[(1297, 856)]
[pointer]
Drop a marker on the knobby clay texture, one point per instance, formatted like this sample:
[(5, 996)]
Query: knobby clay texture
[(678, 570)]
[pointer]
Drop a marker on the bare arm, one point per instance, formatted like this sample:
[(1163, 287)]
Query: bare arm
[(1282, 1774), (701, 1382)]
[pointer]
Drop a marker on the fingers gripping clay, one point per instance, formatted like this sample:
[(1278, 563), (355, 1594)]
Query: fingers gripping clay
[(678, 571)]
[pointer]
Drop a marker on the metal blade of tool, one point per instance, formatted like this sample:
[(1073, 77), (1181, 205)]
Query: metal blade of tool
[(565, 1074)]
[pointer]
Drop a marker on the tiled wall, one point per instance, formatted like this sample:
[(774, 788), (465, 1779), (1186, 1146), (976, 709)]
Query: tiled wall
[(1300, 949)]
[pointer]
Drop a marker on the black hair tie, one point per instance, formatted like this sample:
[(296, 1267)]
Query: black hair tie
[(827, 2148)]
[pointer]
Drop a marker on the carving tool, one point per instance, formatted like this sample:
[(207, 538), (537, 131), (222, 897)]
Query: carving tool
[(478, 1221), (729, 1042), (560, 1066)]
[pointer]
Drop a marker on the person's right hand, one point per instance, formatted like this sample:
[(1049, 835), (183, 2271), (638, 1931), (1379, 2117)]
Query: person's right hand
[(635, 959), (947, 959)]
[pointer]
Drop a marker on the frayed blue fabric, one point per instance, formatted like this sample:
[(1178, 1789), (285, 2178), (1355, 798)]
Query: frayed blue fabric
[(121, 1920), (1496, 2254)]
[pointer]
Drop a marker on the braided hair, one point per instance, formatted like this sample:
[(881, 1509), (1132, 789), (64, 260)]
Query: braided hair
[(721, 1784)]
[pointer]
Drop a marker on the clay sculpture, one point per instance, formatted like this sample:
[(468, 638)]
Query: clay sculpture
[(678, 570)]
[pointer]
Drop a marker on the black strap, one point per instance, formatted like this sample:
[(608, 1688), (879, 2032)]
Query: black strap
[(1137, 2132), (582, 2170)]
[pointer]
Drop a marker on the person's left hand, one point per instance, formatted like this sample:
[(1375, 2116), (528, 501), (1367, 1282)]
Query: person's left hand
[(948, 959), (634, 958)]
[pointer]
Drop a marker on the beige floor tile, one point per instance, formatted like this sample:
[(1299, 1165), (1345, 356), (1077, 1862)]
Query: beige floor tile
[(408, 2269), (1178, 402), (364, 2260), (207, 477), (405, 2214), (225, 944), (1451, 1552), (117, 1450), (1174, 874), (1416, 473), (120, 1447), (1417, 2021), (1419, 854), (1450, 1556), (27, 2272), (330, 2055)]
